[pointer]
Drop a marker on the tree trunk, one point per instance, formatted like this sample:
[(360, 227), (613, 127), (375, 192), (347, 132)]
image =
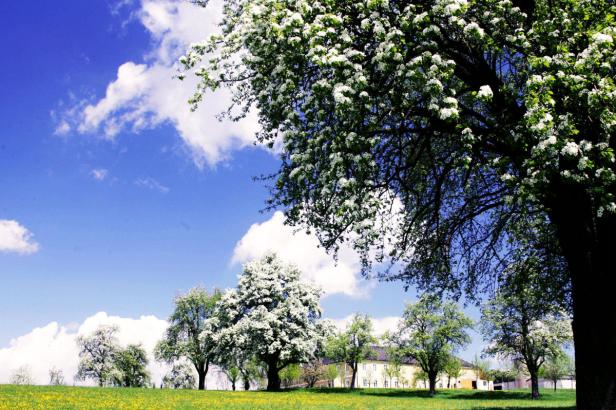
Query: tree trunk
[(534, 385), (448, 381), (432, 383), (354, 375), (246, 384), (555, 381), (273, 377), (589, 245), (202, 369), (233, 385)]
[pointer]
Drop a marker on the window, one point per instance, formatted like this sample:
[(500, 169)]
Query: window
[(485, 383), (386, 384), (364, 366), (376, 383), (374, 366), (366, 383), (385, 366), (396, 383)]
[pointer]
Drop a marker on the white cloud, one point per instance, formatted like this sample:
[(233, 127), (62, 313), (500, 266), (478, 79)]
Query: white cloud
[(55, 345), (151, 183), (341, 276), (146, 95), (99, 174), (380, 325), (16, 238)]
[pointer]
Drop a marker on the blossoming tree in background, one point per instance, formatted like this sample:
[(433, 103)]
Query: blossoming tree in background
[(271, 315), (469, 114)]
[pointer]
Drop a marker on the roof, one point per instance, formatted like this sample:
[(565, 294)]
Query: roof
[(379, 354)]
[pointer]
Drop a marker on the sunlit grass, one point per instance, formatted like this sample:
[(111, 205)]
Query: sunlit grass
[(44, 397)]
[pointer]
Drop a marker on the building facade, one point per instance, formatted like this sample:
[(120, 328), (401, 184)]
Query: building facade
[(377, 372)]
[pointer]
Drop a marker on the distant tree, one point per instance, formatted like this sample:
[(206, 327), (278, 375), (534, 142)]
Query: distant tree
[(420, 376), (21, 376), (290, 374), (430, 331), (453, 369), (272, 315), (96, 354), (251, 371), (505, 375), (183, 336), (331, 374), (130, 367), (233, 375), (353, 345), (56, 377), (556, 367), (312, 372), (180, 376), (522, 323), (481, 368), (393, 370)]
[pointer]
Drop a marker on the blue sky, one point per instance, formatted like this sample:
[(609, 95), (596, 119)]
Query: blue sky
[(130, 198)]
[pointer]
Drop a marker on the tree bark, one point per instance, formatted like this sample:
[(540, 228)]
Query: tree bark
[(354, 375), (273, 377), (246, 384), (202, 369), (432, 383), (233, 385), (534, 385), (589, 245)]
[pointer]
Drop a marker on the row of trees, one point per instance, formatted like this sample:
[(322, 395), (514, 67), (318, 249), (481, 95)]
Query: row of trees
[(270, 323)]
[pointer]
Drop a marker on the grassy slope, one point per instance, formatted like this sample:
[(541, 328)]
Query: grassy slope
[(52, 398)]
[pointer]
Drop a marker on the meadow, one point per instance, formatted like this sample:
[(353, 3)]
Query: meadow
[(65, 398)]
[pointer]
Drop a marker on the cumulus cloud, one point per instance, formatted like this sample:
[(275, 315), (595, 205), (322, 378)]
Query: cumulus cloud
[(341, 276), (15, 238), (380, 325), (99, 174), (145, 95), (151, 183), (54, 345)]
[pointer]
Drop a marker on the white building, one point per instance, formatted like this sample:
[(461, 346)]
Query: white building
[(373, 373), (524, 383)]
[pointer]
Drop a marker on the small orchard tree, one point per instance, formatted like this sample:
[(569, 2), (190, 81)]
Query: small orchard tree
[(430, 331), (130, 367), (21, 376), (290, 374), (522, 324), (420, 376), (182, 339), (481, 368), (233, 375), (271, 315), (393, 370), (453, 370), (331, 374), (180, 376), (556, 367), (312, 372), (97, 354), (353, 345), (56, 377)]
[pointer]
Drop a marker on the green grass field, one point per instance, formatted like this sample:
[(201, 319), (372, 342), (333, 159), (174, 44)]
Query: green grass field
[(52, 398)]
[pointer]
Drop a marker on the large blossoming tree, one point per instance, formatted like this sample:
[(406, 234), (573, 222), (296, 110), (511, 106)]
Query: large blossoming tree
[(465, 114), (271, 315)]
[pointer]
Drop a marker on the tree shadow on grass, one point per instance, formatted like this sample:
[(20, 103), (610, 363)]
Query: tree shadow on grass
[(528, 408), (371, 392)]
